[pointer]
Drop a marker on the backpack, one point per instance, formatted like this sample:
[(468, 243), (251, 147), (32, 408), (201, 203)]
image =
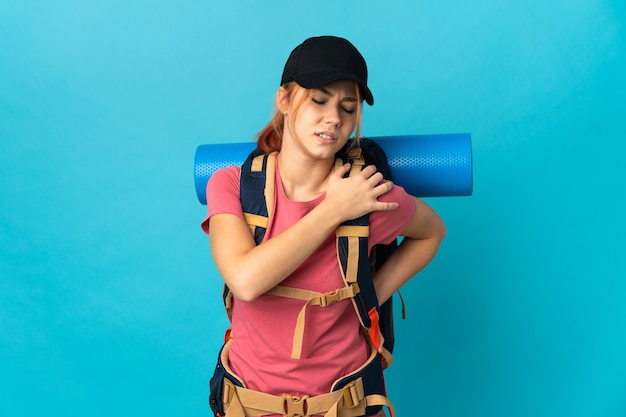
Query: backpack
[(256, 192)]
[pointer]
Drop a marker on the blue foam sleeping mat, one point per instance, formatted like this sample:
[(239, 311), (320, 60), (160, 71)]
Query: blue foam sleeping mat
[(438, 165)]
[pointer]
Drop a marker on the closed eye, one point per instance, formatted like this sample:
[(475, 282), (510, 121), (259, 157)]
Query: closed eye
[(321, 101)]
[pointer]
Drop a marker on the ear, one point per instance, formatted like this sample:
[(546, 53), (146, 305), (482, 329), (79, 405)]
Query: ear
[(282, 100)]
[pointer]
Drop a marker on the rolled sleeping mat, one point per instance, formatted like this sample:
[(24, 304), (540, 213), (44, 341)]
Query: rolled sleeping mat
[(425, 165)]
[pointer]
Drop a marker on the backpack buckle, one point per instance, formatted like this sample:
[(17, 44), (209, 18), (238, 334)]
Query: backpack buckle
[(295, 406), (329, 298)]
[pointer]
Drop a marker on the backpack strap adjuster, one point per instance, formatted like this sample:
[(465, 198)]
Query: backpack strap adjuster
[(351, 395), (355, 157)]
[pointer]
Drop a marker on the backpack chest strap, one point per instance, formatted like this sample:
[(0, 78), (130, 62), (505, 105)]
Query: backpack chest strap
[(312, 298)]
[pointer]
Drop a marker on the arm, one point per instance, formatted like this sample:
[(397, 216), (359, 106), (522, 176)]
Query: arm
[(250, 270), (422, 236)]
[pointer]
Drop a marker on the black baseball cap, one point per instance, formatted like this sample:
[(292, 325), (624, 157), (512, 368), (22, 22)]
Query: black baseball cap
[(321, 60)]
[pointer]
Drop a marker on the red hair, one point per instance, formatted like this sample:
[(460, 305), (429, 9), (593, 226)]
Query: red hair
[(270, 138)]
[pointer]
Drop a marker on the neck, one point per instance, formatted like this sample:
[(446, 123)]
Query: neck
[(304, 179)]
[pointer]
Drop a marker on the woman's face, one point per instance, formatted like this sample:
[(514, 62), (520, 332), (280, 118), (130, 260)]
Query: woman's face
[(324, 122)]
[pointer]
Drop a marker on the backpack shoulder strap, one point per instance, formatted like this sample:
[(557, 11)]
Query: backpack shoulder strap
[(256, 190), (374, 154), (352, 251)]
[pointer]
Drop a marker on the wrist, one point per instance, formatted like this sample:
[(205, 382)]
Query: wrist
[(326, 214)]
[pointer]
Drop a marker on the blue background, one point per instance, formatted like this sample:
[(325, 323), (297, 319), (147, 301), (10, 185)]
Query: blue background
[(109, 301)]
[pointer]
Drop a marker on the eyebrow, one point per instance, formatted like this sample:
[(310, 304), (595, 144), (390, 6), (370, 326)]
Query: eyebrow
[(328, 93)]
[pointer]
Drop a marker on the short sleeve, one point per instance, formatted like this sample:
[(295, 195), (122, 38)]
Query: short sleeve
[(385, 226), (222, 195)]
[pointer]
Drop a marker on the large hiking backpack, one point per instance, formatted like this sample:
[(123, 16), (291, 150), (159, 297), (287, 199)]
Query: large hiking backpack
[(357, 268)]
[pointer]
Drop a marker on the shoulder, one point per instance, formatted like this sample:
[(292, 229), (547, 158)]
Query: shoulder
[(223, 180), (225, 175), (387, 225), (400, 195), (222, 194)]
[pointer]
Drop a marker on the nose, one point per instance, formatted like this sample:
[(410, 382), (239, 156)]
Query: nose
[(333, 116)]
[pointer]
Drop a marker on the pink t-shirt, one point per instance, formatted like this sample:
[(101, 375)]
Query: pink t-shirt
[(263, 329)]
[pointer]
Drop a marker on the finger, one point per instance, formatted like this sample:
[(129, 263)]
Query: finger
[(383, 188), (340, 168), (376, 178), (368, 171), (387, 205)]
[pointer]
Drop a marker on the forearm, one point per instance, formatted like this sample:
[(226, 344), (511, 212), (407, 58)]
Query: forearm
[(253, 270), (412, 256)]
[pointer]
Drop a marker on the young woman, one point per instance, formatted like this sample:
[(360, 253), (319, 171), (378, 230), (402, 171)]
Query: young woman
[(318, 108)]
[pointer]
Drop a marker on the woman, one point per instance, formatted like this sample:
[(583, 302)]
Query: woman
[(318, 108)]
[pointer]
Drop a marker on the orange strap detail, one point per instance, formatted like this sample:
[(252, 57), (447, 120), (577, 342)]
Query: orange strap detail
[(375, 336), (228, 335)]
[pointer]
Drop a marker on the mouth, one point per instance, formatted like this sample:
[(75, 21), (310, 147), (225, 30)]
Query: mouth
[(326, 136)]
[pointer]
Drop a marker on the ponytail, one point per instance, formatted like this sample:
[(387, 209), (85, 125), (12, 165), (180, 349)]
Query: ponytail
[(270, 138)]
